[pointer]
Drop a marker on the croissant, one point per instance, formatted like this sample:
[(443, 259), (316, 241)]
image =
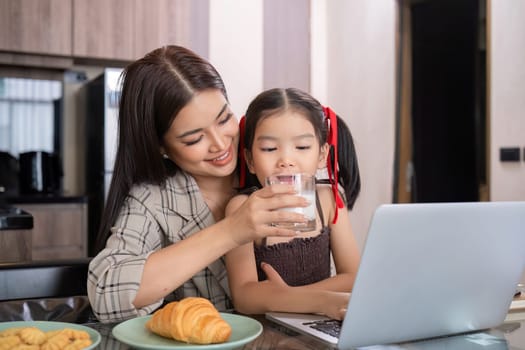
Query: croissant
[(192, 320)]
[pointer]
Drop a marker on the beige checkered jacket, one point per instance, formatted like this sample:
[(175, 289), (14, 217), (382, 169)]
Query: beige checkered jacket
[(150, 219)]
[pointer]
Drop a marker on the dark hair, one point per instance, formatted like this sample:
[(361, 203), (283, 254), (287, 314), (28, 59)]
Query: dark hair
[(155, 88), (275, 101)]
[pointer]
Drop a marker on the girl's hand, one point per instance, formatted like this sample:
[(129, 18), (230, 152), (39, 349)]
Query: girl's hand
[(336, 305), (272, 275), (336, 302), (251, 218)]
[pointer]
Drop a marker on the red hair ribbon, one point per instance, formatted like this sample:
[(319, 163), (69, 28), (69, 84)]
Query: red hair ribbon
[(242, 174), (333, 175)]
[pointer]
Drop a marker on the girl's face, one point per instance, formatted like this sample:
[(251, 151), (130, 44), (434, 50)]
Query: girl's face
[(202, 139), (285, 143)]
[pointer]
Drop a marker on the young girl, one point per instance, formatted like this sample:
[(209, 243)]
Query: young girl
[(287, 131)]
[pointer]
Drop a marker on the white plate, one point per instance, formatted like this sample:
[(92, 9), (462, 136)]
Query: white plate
[(134, 333), (46, 326)]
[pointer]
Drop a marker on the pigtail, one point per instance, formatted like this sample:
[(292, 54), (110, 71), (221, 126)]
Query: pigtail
[(342, 165), (349, 177)]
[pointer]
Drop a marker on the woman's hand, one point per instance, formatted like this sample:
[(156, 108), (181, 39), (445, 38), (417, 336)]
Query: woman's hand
[(252, 217)]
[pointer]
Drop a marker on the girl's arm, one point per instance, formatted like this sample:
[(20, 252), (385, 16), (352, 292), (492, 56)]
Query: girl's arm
[(342, 244), (253, 297)]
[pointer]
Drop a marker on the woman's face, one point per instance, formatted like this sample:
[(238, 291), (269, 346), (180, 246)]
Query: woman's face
[(285, 143), (202, 139)]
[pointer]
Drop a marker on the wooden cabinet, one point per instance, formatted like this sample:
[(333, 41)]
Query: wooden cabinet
[(59, 230), (166, 22), (128, 29), (118, 30), (36, 26), (103, 29)]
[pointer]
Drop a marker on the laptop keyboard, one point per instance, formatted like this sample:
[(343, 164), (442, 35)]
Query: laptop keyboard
[(330, 327)]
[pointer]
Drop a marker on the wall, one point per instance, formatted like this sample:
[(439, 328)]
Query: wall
[(360, 86), (236, 48), (258, 45), (286, 44), (507, 96)]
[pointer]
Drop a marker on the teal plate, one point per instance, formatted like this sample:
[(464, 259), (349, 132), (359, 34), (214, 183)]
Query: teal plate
[(134, 333), (47, 326)]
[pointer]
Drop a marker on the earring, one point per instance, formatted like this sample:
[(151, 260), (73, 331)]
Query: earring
[(165, 156)]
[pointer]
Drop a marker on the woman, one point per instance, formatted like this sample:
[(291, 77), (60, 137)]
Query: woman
[(163, 230)]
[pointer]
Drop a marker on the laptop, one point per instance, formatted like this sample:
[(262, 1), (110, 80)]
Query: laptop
[(428, 270)]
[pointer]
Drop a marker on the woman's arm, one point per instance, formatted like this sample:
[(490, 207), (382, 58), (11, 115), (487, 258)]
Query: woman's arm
[(168, 268), (132, 275), (248, 222), (115, 273)]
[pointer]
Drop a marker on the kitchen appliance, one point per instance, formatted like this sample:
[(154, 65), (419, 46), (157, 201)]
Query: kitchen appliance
[(15, 234), (8, 175), (40, 173), (100, 98)]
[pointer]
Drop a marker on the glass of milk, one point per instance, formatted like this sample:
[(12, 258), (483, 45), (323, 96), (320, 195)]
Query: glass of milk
[(304, 184)]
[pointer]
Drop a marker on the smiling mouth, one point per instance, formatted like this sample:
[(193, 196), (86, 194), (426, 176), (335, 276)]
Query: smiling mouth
[(222, 157)]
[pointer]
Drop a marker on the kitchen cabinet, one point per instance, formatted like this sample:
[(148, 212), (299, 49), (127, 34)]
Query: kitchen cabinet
[(103, 29), (36, 26), (110, 30), (127, 30), (59, 230), (15, 234), (166, 22)]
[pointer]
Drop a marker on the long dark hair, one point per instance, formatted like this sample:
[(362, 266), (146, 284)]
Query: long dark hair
[(155, 88), (275, 101)]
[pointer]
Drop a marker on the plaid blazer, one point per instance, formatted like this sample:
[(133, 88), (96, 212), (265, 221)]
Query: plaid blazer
[(153, 217)]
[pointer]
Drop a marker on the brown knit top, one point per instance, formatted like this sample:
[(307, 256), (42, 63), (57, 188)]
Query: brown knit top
[(300, 261)]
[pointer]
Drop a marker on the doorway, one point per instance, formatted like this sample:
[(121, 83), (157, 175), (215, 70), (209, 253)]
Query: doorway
[(441, 117)]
